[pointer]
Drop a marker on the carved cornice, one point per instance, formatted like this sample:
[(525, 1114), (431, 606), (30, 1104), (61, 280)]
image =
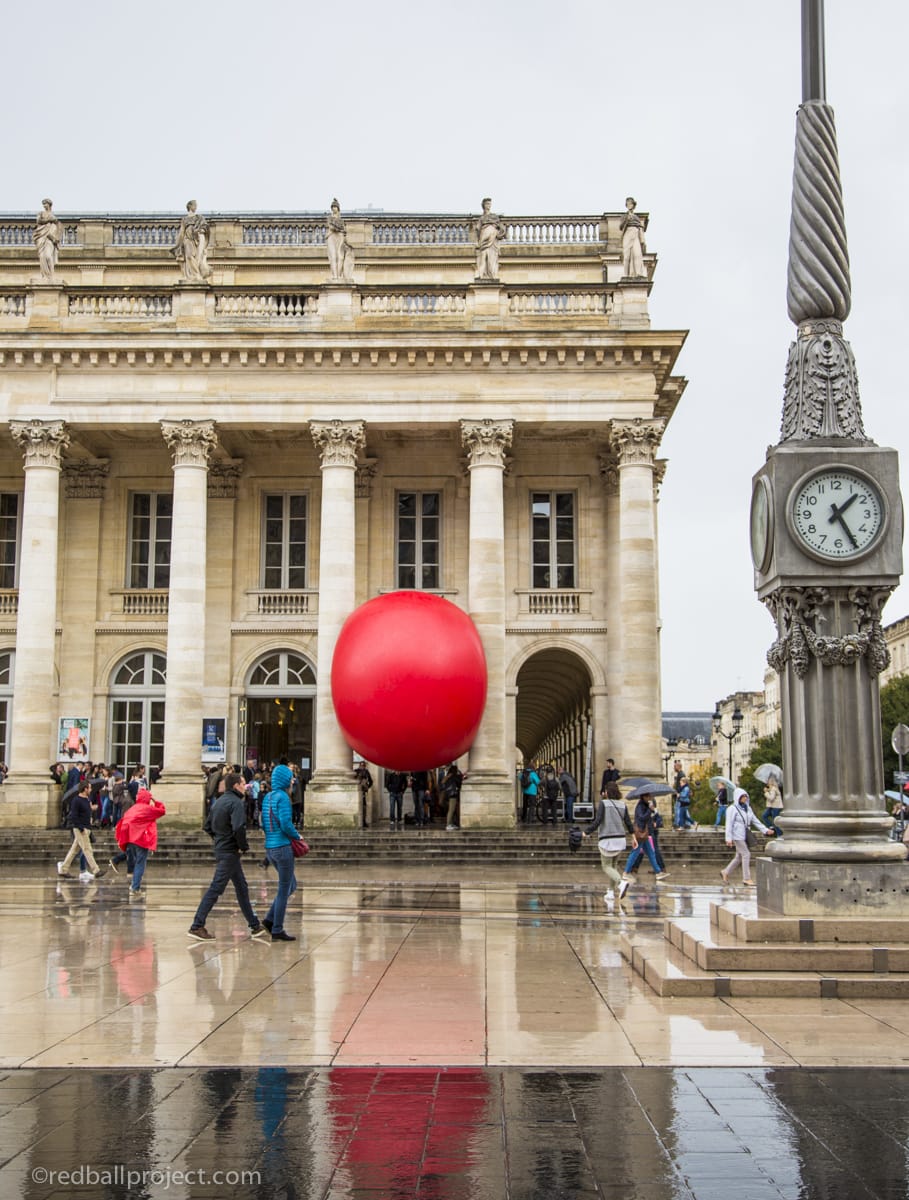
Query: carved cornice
[(190, 442), (636, 441), (798, 613), (338, 442), (365, 473), (84, 478), (223, 479), (486, 442), (42, 442)]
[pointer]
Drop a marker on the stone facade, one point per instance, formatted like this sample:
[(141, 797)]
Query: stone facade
[(896, 635), (200, 479)]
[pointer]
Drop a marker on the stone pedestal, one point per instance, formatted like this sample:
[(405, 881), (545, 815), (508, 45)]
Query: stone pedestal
[(190, 301), (485, 299), (629, 304), (488, 801), (841, 889), (332, 801), (183, 795), (30, 802), (48, 305), (339, 302)]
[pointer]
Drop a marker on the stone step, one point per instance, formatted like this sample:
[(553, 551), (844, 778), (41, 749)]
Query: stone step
[(670, 973), (739, 920)]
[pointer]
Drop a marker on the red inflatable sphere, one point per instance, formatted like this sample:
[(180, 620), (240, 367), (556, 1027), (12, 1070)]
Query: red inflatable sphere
[(408, 681)]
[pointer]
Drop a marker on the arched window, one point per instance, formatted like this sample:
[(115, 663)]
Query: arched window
[(282, 671), (137, 710), (7, 662)]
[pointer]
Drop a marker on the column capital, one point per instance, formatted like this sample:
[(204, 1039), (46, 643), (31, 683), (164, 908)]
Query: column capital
[(223, 477), (366, 473), (486, 442), (190, 442), (84, 478), (608, 462), (42, 442), (338, 442), (636, 441)]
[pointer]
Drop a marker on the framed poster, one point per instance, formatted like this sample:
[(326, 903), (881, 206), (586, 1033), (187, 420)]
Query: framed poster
[(73, 739), (214, 739)]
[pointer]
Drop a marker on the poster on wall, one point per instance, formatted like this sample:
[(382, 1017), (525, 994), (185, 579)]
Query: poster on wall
[(73, 739), (214, 734)]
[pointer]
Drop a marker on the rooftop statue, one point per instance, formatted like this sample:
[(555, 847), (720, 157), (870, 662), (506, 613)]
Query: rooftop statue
[(340, 253), (633, 245), (490, 231), (48, 235), (191, 246)]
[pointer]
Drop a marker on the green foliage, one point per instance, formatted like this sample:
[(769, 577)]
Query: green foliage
[(766, 750), (894, 711), (703, 809)]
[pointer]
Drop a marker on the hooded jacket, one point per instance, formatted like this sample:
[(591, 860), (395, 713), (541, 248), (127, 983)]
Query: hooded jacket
[(276, 810), (139, 824), (739, 817)]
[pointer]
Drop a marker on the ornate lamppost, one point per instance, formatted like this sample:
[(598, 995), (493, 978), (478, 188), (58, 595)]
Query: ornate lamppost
[(737, 720)]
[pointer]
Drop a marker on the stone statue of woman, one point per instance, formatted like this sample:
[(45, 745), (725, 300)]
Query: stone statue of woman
[(191, 246), (633, 247), (340, 253), (490, 230), (48, 234)]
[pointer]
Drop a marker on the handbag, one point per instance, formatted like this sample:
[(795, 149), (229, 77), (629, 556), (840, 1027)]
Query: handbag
[(298, 847)]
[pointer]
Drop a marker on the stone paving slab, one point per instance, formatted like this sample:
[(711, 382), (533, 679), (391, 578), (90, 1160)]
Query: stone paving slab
[(471, 1133)]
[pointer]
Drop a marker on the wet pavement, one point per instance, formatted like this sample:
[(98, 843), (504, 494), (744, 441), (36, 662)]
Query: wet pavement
[(456, 1038)]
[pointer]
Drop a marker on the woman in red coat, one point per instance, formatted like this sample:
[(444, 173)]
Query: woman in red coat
[(138, 827)]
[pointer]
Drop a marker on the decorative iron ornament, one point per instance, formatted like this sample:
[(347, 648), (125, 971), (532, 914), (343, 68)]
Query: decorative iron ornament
[(798, 611)]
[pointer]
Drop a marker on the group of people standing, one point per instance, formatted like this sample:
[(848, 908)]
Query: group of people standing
[(545, 786), (436, 796)]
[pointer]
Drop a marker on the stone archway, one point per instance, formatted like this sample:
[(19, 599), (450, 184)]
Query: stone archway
[(553, 708)]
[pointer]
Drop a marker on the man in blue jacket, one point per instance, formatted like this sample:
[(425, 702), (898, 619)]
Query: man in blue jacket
[(226, 826)]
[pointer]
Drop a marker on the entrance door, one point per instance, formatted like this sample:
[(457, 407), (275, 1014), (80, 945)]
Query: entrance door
[(280, 700)]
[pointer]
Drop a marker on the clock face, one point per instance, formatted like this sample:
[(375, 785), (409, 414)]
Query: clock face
[(761, 527), (836, 514)]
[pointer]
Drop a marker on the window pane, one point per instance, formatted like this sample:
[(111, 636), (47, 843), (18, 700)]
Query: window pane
[(430, 575), (407, 504), (430, 504), (565, 504), (566, 577), (541, 576), (407, 577)]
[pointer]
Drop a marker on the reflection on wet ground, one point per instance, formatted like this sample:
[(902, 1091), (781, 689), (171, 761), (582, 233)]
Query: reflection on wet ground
[(645, 1133)]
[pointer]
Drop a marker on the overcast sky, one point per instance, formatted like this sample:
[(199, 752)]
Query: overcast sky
[(550, 109)]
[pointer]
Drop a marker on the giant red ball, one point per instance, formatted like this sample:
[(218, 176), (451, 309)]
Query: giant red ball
[(408, 681)]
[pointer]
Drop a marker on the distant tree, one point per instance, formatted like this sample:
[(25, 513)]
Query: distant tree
[(894, 711), (766, 750), (703, 809)]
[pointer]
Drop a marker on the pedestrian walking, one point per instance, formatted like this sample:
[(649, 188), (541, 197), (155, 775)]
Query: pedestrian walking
[(226, 826), (610, 821), (79, 821), (739, 818), (137, 831), (279, 833), (643, 838)]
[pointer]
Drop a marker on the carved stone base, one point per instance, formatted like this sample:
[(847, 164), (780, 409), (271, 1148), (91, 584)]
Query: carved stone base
[(31, 802), (332, 801), (820, 889), (184, 798), (488, 801)]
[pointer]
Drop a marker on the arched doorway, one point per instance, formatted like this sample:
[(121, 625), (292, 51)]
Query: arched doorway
[(136, 714), (279, 704), (552, 714), (7, 659)]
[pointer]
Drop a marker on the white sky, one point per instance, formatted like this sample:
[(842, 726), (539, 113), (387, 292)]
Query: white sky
[(550, 109)]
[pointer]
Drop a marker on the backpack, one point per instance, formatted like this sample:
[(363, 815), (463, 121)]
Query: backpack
[(575, 837), (525, 779), (551, 787)]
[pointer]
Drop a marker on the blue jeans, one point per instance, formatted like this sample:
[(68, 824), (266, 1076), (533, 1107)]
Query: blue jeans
[(228, 869), (720, 815), (140, 858), (685, 816), (569, 809), (638, 853), (396, 806), (282, 859)]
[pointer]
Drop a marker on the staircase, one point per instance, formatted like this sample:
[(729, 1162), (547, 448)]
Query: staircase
[(704, 852)]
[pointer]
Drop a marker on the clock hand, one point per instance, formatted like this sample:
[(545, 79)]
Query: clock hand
[(836, 514)]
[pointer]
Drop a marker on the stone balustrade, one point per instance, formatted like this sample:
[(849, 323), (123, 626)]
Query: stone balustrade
[(13, 304), (19, 232), (141, 602), (145, 233), (426, 304), (144, 305), (551, 231), (421, 233), (284, 233), (559, 303), (285, 603), (547, 602), (9, 602), (266, 305)]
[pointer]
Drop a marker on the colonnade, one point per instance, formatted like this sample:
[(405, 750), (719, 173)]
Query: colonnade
[(487, 798)]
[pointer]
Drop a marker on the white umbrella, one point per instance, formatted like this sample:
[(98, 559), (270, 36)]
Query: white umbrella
[(768, 771), (718, 781)]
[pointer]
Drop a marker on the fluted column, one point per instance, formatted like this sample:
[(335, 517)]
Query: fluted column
[(487, 798), (636, 574), (607, 722), (331, 798), (191, 444), (35, 703)]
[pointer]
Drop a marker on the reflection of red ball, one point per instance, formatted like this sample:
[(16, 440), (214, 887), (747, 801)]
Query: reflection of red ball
[(408, 681)]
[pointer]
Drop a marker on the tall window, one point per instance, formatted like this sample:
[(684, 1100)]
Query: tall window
[(553, 540), (137, 710), (6, 701), (284, 542), (418, 539), (9, 538), (150, 520)]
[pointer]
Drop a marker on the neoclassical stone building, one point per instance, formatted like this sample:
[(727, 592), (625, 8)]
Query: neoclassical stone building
[(209, 458)]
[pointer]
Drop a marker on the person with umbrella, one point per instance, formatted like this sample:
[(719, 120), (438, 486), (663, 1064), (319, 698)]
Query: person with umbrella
[(643, 831), (772, 778)]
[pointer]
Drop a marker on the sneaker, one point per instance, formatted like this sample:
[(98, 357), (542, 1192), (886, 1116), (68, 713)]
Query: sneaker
[(662, 875), (450, 828), (283, 937), (260, 930), (627, 878), (86, 877), (200, 933), (113, 866), (608, 897), (63, 874), (623, 887), (136, 894)]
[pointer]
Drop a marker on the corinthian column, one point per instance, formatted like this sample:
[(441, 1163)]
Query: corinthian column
[(635, 444), (332, 795), (488, 795), (191, 444), (35, 704)]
